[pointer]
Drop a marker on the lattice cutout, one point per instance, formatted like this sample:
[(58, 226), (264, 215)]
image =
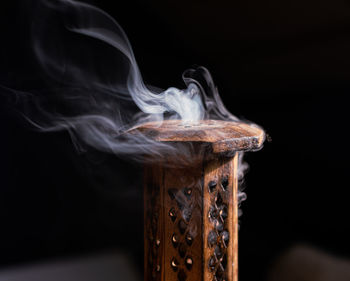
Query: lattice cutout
[(219, 237), (180, 214)]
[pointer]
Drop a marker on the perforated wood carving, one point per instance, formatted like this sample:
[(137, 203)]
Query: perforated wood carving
[(191, 217)]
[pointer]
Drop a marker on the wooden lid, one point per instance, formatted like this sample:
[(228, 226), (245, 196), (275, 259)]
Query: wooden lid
[(223, 136)]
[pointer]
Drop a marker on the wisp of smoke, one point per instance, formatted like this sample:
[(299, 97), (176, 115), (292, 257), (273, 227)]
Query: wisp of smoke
[(100, 93), (74, 42)]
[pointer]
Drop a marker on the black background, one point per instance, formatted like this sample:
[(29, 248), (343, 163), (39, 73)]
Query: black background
[(282, 64)]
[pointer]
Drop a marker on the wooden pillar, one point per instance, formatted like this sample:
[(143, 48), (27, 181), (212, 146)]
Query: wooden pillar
[(191, 211)]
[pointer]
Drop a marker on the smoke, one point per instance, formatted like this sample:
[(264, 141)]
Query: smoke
[(242, 169), (99, 91)]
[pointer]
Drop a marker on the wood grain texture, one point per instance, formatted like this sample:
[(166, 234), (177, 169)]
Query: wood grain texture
[(220, 220), (183, 232), (182, 212), (191, 211), (234, 246), (153, 223), (223, 136)]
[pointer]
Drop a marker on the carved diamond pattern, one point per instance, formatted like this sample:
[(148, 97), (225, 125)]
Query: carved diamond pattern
[(218, 238), (180, 214)]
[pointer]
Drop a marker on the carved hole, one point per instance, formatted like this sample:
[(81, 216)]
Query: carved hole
[(223, 212), (182, 250), (186, 214), (225, 236), (174, 264), (188, 192), (172, 193), (219, 225), (174, 240), (224, 183), (218, 200), (182, 226), (213, 213), (219, 274), (212, 262), (189, 262), (189, 239), (224, 262), (212, 238), (218, 252), (181, 276), (172, 214), (212, 186)]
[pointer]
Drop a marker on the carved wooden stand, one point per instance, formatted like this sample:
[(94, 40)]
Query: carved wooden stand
[(190, 211)]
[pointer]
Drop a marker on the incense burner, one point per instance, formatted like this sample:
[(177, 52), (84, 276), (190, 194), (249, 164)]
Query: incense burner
[(191, 209)]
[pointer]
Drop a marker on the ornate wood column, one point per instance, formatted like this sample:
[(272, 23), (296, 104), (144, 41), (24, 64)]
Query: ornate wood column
[(191, 209)]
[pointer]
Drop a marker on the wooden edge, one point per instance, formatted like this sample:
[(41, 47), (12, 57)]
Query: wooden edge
[(241, 144), (221, 136)]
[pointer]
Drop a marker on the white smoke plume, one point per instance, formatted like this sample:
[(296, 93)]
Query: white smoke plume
[(76, 43)]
